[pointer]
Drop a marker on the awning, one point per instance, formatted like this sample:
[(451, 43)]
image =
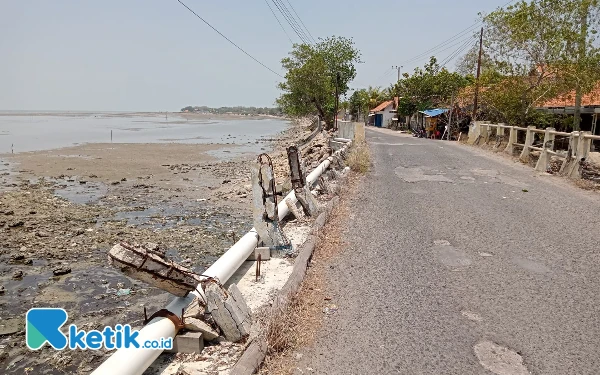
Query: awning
[(434, 112)]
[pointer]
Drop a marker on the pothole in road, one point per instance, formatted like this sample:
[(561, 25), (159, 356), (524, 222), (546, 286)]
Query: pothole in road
[(420, 174), (531, 265), (495, 175), (499, 359), (449, 255)]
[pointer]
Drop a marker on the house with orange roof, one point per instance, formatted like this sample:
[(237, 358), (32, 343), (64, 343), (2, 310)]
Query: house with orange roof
[(565, 104), (384, 114)]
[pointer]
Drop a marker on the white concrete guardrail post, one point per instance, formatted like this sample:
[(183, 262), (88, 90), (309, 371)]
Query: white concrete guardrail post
[(571, 151), (486, 128), (586, 145), (529, 136), (544, 160), (512, 139), (499, 135), (572, 161), (474, 133)]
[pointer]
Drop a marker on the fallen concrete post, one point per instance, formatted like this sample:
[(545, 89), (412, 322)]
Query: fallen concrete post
[(147, 265), (229, 310)]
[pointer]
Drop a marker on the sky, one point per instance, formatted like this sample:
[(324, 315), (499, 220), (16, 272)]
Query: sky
[(154, 55)]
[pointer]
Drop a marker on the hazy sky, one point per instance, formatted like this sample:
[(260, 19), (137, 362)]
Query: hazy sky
[(154, 55)]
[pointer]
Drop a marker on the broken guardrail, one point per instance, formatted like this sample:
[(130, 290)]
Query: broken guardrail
[(133, 361)]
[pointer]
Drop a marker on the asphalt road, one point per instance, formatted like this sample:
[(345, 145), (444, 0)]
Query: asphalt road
[(451, 268)]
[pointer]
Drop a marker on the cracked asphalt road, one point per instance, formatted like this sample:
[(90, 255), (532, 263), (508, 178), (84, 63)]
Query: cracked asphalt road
[(447, 258)]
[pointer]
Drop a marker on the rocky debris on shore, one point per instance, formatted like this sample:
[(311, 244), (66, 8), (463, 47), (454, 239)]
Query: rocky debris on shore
[(53, 251), (61, 271)]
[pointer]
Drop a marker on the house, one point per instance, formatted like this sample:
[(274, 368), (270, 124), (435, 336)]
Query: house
[(383, 115), (565, 104)]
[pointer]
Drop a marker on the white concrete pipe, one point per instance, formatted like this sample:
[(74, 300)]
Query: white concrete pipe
[(136, 361)]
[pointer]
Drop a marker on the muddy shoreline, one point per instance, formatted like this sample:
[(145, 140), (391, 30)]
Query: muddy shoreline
[(62, 210)]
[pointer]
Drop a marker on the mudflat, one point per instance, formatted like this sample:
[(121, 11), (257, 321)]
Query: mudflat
[(61, 210)]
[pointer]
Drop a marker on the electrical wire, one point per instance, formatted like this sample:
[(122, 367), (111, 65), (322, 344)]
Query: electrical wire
[(230, 41), (451, 39), (284, 14), (459, 37), (294, 21), (279, 22), (306, 28), (458, 51), (384, 75)]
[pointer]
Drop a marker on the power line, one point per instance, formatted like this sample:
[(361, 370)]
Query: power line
[(308, 31), (453, 38), (385, 74), (458, 43), (230, 41), (459, 37), (294, 21), (279, 22), (459, 50), (284, 14), (278, 6)]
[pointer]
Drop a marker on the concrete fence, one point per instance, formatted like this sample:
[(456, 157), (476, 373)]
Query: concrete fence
[(580, 144)]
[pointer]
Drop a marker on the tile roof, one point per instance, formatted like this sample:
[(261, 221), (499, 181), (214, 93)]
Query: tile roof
[(568, 99), (382, 106)]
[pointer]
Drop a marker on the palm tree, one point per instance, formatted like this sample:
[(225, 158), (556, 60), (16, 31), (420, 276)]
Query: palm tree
[(376, 96)]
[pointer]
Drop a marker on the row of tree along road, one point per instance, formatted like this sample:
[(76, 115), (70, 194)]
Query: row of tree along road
[(533, 55)]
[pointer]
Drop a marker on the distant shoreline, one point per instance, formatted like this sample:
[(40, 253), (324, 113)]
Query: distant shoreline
[(187, 115)]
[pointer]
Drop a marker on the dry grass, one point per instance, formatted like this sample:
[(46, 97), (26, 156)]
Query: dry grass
[(296, 325), (359, 132), (359, 157), (587, 185)]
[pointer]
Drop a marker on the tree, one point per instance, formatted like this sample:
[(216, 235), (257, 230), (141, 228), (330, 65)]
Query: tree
[(310, 82), (467, 64), (542, 48), (428, 87)]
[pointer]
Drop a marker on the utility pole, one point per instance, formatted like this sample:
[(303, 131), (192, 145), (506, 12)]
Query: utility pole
[(450, 117), (337, 98), (584, 10), (475, 101), (399, 69)]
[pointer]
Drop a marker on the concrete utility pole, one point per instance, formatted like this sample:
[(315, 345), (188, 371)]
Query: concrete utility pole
[(475, 101), (584, 10), (399, 69), (450, 117), (337, 98)]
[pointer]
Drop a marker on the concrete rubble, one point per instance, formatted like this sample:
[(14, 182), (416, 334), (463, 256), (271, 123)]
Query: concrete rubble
[(229, 310)]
